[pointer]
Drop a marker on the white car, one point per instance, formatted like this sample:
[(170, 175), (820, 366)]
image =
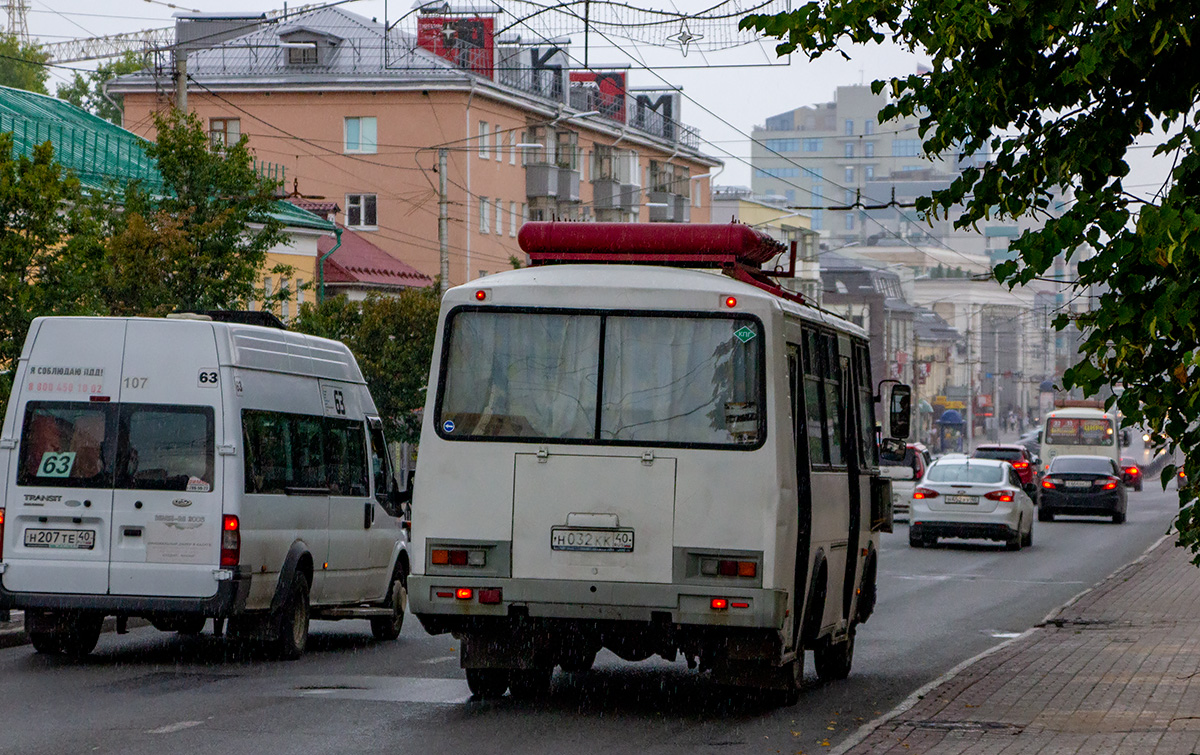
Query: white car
[(904, 473), (971, 498)]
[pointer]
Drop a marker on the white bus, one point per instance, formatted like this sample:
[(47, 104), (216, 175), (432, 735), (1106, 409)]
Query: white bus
[(646, 459), (1080, 429)]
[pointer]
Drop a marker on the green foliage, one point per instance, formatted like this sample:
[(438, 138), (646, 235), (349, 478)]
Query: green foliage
[(47, 257), (87, 91), (203, 243), (392, 338), (22, 66), (1053, 95)]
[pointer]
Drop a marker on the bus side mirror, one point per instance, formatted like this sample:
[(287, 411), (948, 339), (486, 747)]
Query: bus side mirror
[(898, 400)]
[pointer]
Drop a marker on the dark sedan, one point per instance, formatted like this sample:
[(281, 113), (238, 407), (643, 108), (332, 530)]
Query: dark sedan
[(1132, 472), (1084, 485)]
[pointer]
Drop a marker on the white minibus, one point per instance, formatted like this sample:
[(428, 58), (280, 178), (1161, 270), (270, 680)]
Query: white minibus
[(180, 469), (648, 459)]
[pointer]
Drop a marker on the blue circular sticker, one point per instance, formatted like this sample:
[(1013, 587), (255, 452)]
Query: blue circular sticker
[(448, 426)]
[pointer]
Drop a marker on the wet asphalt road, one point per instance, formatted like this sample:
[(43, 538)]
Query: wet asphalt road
[(148, 692)]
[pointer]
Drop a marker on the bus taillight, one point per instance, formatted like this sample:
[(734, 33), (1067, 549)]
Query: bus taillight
[(231, 541)]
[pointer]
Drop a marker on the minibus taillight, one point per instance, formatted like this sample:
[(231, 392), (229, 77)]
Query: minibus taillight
[(231, 541), (719, 604), (920, 493), (457, 557), (1003, 496), (713, 567), (1, 533), (464, 593)]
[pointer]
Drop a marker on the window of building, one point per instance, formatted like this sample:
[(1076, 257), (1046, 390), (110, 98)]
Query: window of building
[(848, 197), (224, 131), (512, 219), (849, 148), (811, 145), (485, 211), (499, 140), (869, 173), (512, 147), (778, 172), (299, 294), (818, 217), (567, 150), (286, 304), (869, 149), (849, 127), (906, 147), (268, 288), (849, 175), (360, 134), (868, 127), (302, 56), (360, 211), (499, 217), (849, 221), (790, 195), (485, 140), (782, 145)]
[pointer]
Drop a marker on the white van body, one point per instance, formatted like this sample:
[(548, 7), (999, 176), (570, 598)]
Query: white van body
[(1080, 431), (181, 469), (570, 540)]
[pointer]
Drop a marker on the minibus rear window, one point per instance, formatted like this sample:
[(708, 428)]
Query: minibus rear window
[(165, 447), (67, 444), (633, 378), (1080, 431)]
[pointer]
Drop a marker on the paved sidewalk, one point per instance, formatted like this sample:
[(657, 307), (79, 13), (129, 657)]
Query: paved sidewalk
[(1116, 671)]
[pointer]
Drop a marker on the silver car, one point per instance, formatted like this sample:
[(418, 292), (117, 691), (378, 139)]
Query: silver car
[(971, 498)]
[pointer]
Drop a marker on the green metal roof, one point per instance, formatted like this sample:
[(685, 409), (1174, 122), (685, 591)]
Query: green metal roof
[(101, 153)]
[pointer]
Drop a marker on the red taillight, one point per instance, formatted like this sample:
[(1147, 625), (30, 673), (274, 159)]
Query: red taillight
[(731, 301), (458, 558), (1110, 484), (480, 295), (231, 541), (439, 556), (719, 604), (925, 493), (1133, 471), (464, 593), (1, 533), (1003, 496), (740, 605), (490, 595), (1048, 484), (1020, 465)]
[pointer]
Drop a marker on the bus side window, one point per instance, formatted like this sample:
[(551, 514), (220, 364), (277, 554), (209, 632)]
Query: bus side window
[(814, 403)]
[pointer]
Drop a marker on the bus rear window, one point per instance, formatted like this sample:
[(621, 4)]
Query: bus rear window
[(1080, 431), (166, 448), (609, 378)]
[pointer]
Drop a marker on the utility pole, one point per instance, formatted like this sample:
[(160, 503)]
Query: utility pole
[(443, 221), (970, 390), (995, 381)]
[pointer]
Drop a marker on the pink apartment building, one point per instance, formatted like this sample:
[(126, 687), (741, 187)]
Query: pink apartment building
[(360, 121)]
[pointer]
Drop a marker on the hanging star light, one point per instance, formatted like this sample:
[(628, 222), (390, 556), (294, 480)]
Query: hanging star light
[(684, 38)]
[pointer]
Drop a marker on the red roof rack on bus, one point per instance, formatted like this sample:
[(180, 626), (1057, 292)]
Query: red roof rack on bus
[(737, 250)]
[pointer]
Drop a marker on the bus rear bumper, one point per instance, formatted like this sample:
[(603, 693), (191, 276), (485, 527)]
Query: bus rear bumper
[(454, 604)]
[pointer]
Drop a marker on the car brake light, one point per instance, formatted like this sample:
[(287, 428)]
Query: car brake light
[(1048, 483), (925, 493), (1133, 471), (1108, 484), (1020, 465), (1004, 496), (231, 541), (719, 604)]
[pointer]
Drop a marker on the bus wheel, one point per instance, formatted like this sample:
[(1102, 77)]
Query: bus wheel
[(46, 643), (529, 683), (487, 682), (869, 592), (833, 659)]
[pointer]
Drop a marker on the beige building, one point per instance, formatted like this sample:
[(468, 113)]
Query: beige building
[(360, 117)]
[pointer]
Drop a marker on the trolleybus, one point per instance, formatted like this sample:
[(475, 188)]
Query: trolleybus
[(620, 452)]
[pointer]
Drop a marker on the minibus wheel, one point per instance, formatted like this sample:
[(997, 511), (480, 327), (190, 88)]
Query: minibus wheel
[(79, 637), (487, 682), (387, 628), (292, 624), (46, 643)]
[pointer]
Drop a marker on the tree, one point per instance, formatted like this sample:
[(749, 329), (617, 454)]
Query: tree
[(1053, 95), (88, 92), (48, 257), (392, 338), (198, 242), (22, 65)]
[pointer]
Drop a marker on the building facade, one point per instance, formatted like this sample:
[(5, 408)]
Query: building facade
[(365, 117)]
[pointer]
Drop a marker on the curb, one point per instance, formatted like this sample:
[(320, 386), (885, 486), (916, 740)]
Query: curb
[(919, 694)]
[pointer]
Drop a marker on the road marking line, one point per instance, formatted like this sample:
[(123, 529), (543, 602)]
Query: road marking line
[(172, 728), (431, 661)]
